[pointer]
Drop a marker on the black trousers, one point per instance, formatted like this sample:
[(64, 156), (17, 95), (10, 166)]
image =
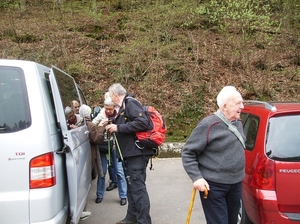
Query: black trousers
[(223, 203), (138, 209)]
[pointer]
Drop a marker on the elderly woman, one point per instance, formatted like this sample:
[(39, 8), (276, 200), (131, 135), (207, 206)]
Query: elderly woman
[(96, 136)]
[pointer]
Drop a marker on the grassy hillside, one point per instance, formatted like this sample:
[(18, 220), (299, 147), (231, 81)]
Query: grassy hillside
[(175, 55)]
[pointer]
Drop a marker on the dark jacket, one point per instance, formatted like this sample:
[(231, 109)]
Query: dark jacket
[(130, 119)]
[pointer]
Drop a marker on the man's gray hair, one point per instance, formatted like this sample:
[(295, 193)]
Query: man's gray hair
[(225, 95), (118, 89)]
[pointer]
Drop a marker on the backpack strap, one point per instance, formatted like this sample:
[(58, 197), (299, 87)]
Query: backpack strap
[(231, 127)]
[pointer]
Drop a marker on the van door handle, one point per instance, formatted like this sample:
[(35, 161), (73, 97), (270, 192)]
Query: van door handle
[(87, 133)]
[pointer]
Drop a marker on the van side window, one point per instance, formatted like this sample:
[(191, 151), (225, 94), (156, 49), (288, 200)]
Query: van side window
[(14, 105), (68, 90)]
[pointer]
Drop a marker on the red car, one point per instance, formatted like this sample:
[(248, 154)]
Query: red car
[(271, 187)]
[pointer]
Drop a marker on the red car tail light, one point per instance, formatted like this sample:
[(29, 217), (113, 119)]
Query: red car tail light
[(42, 171), (263, 176)]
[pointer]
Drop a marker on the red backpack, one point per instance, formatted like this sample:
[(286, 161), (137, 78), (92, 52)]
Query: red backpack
[(155, 135)]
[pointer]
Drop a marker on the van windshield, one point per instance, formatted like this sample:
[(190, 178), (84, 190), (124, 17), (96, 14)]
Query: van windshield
[(14, 106), (284, 138)]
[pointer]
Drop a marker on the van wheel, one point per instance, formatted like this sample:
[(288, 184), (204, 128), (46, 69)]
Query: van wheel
[(244, 216)]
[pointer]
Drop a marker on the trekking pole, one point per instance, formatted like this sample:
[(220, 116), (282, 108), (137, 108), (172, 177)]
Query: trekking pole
[(121, 157), (191, 206), (108, 146)]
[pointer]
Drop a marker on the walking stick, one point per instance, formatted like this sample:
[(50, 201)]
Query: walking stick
[(108, 146), (123, 162), (191, 206), (192, 203)]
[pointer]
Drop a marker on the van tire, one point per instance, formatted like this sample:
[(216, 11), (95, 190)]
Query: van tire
[(245, 218)]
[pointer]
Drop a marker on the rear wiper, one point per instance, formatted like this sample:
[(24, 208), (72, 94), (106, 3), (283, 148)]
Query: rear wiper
[(292, 159)]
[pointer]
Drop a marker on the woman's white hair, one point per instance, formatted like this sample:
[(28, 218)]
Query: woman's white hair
[(85, 110), (108, 102), (225, 95)]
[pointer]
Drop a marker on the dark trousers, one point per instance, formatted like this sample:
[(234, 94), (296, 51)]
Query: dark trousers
[(138, 209), (223, 203)]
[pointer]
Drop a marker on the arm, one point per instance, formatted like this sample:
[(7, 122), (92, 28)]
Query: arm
[(95, 133), (191, 151), (99, 117)]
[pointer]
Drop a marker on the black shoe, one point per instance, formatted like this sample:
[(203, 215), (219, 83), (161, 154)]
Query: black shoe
[(126, 221), (111, 186), (123, 201), (98, 200)]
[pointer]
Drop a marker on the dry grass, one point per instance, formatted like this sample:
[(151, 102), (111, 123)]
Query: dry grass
[(158, 50)]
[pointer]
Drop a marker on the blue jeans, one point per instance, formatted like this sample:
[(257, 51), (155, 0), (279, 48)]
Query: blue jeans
[(223, 203), (121, 181), (112, 175)]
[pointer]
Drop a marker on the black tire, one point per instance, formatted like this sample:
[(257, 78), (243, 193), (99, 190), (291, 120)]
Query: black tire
[(244, 216)]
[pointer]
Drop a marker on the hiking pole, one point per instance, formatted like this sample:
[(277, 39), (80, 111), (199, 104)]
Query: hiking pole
[(205, 195), (108, 146), (123, 162), (108, 136)]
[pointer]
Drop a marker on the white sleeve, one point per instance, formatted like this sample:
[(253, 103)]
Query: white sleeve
[(99, 117)]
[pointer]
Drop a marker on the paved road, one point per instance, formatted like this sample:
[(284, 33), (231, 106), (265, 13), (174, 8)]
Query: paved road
[(169, 189)]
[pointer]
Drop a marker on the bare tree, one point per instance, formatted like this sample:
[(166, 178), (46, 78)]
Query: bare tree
[(23, 7)]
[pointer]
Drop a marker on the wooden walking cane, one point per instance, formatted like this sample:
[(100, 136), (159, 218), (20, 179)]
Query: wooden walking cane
[(191, 206), (192, 203)]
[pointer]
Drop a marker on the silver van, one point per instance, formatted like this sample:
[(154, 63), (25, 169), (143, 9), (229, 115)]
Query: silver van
[(45, 169)]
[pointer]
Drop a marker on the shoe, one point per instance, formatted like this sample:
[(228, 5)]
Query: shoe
[(111, 186), (85, 215), (98, 200), (123, 201), (126, 221)]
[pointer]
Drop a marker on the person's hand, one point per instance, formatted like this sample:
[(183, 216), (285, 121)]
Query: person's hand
[(103, 122), (200, 184), (72, 126), (111, 128)]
